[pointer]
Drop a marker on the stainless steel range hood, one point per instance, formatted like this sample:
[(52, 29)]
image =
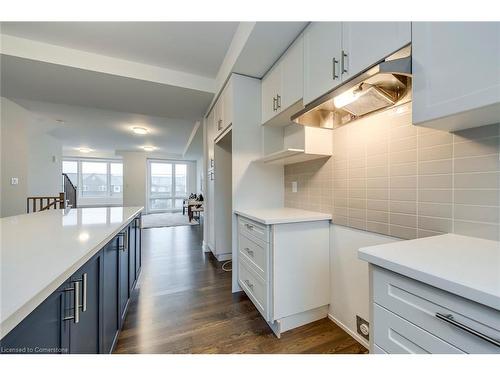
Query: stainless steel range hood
[(379, 87)]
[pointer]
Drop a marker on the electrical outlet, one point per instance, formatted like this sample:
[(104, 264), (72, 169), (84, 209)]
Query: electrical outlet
[(14, 181), (363, 327), (294, 186)]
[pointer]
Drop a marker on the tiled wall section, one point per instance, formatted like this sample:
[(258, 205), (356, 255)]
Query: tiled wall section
[(391, 177)]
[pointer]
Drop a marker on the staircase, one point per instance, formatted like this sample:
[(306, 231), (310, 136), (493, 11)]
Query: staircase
[(63, 200), (69, 191)]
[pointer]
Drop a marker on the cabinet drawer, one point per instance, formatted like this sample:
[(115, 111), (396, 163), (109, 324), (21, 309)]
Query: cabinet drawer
[(419, 303), (396, 335), (252, 228), (254, 286), (254, 253)]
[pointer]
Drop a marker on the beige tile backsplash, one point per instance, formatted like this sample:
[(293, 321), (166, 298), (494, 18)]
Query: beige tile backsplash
[(391, 177)]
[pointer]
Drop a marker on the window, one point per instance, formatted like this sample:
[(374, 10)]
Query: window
[(70, 168), (95, 178), (116, 178), (168, 185)]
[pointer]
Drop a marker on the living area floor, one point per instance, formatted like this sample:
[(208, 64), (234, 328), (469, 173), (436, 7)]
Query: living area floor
[(183, 304)]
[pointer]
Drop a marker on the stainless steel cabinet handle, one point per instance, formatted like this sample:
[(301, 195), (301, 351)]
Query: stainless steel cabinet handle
[(84, 292), (278, 101), (274, 103), (344, 63), (250, 285), (76, 302), (448, 318), (219, 124), (250, 227), (334, 64), (123, 247)]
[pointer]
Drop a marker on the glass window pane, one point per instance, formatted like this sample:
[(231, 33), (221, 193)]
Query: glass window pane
[(94, 179), (178, 203), (161, 180), (116, 181), (160, 204), (180, 180), (70, 167)]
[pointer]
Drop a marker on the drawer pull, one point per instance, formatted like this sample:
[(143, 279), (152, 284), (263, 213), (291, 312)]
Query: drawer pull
[(448, 318), (250, 285), (250, 252), (249, 226)]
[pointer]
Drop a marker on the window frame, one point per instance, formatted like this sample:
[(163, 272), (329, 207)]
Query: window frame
[(79, 184), (173, 197)]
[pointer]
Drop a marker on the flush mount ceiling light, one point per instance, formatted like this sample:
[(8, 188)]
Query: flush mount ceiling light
[(60, 121), (85, 150), (148, 148), (139, 130)]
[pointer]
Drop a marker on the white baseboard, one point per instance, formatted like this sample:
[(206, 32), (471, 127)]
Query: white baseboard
[(351, 333), (224, 257), (205, 247)]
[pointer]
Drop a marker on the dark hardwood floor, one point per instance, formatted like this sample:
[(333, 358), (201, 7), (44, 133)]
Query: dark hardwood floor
[(183, 304)]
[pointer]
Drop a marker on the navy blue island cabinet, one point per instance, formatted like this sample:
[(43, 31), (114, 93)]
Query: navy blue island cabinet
[(85, 314)]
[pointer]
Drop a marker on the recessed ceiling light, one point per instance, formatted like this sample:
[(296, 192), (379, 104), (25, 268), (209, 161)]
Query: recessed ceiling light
[(60, 121), (148, 148), (85, 150), (139, 130)]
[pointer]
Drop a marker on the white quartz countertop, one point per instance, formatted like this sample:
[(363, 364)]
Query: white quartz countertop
[(466, 266), (39, 251), (282, 215)]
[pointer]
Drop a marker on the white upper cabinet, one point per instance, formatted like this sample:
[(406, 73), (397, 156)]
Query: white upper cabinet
[(283, 85), (334, 52), (227, 108), (223, 110), (322, 53), (366, 43), (456, 74), (271, 85), (292, 75)]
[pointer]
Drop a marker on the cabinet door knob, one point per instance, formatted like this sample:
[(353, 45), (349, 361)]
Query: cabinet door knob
[(250, 285)]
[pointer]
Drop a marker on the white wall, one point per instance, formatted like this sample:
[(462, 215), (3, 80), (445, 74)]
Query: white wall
[(134, 178), (349, 286), (14, 158), (44, 165), (29, 154)]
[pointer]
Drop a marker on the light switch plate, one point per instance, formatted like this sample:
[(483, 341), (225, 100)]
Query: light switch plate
[(294, 186), (14, 181)]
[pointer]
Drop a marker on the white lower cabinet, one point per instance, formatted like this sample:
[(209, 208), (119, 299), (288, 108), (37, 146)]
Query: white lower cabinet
[(284, 270), (412, 317)]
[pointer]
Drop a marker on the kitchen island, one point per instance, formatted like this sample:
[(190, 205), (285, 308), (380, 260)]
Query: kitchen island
[(66, 278), (438, 294)]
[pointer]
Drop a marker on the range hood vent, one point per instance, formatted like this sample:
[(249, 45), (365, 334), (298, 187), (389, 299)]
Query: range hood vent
[(381, 86)]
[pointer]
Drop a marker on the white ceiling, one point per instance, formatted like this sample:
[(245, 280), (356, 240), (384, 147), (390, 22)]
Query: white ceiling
[(100, 105), (41, 81), (105, 131), (191, 47)]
